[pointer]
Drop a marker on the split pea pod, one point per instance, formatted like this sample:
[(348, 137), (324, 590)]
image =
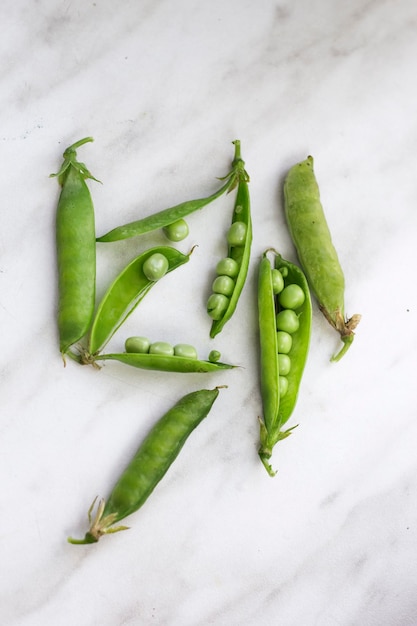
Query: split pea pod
[(76, 250), (171, 219), (316, 252), (149, 465), (284, 309), (128, 289), (233, 269)]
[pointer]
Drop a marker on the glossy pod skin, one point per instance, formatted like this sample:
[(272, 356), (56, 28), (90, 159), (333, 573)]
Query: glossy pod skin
[(125, 293), (316, 252), (150, 463), (76, 250), (165, 218), (239, 253), (163, 363), (278, 405)]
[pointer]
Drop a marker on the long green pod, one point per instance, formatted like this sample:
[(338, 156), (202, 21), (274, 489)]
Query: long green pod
[(76, 250), (316, 252), (125, 293), (278, 401), (239, 253), (149, 465), (169, 216), (164, 363)]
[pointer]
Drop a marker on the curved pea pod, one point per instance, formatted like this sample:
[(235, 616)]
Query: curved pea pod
[(278, 401), (239, 253), (76, 250), (316, 252), (149, 465), (167, 217), (164, 363), (125, 293)]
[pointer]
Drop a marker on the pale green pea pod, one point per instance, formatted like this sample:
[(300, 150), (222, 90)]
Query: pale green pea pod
[(318, 257)]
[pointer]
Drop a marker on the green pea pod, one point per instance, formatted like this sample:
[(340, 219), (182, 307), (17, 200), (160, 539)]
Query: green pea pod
[(76, 250), (125, 293), (171, 363), (318, 257), (278, 402), (149, 465), (163, 219), (239, 253)]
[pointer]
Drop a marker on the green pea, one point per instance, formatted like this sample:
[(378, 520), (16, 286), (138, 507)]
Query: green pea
[(149, 465), (287, 320), (76, 248), (277, 281), (284, 342), (155, 267), (217, 305), (177, 231), (223, 285), (284, 363), (318, 257), (227, 267), (185, 350), (283, 386), (161, 347), (292, 297), (214, 356), (237, 234), (137, 344)]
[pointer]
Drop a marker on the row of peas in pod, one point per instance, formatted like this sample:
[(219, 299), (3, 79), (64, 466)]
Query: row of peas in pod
[(284, 307)]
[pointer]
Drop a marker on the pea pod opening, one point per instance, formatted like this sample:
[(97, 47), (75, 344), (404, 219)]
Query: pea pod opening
[(149, 465), (239, 249), (278, 400), (76, 250), (316, 252), (167, 217), (162, 363)]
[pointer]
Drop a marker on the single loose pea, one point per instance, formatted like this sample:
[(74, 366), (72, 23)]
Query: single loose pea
[(137, 344), (161, 347), (185, 350), (227, 267), (284, 342), (177, 231), (284, 363), (155, 266), (292, 297), (214, 356), (277, 281), (283, 386), (287, 320), (217, 305), (223, 285), (237, 234)]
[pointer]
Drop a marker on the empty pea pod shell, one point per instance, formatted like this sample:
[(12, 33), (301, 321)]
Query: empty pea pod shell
[(278, 408), (318, 257), (171, 363), (125, 293)]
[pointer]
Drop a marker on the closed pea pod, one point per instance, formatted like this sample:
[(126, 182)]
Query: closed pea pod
[(318, 257), (280, 372), (76, 250), (127, 290), (149, 465), (220, 306)]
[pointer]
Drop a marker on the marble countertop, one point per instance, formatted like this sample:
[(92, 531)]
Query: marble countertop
[(164, 87)]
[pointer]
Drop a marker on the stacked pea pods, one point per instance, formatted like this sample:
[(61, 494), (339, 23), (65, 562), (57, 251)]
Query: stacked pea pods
[(284, 310)]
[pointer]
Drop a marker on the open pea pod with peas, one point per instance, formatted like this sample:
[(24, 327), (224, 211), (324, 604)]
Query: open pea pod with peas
[(316, 252), (149, 465), (284, 310), (233, 269), (171, 220)]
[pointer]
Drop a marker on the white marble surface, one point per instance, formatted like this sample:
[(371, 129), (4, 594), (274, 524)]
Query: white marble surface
[(164, 86)]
